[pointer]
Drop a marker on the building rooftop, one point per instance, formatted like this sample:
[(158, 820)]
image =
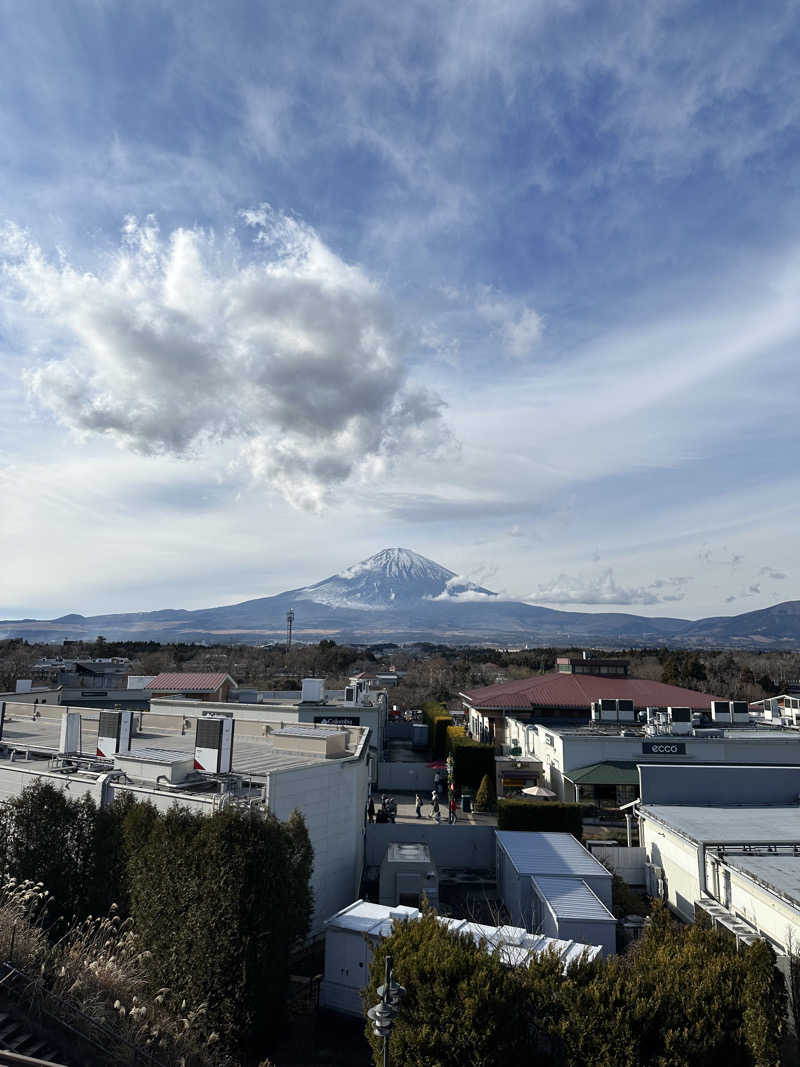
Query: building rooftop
[(571, 898), (612, 772), (568, 691), (549, 853), (730, 824), (778, 872), (190, 682), (252, 757), (514, 945), (408, 852)]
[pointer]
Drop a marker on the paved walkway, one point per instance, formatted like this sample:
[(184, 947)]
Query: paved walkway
[(406, 811)]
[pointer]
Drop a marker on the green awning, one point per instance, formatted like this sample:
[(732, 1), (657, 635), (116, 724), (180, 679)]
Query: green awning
[(614, 772)]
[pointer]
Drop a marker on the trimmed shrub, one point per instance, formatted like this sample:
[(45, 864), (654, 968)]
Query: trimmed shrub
[(514, 813), (438, 720), (472, 761), (484, 798)]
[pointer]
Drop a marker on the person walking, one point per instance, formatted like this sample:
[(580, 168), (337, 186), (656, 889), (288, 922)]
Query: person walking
[(371, 810), (452, 810), (418, 806), (435, 812)]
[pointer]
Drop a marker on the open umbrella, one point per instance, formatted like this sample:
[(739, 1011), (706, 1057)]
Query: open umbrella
[(437, 765), (538, 791)]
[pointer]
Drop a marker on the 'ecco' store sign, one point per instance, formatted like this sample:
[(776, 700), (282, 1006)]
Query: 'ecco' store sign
[(663, 748)]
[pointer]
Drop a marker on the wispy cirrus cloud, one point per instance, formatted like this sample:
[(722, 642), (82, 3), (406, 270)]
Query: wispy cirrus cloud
[(770, 572)]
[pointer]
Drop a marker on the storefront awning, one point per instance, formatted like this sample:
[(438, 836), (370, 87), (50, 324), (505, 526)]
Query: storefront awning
[(614, 772)]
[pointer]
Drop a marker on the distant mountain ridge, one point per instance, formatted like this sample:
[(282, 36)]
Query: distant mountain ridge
[(400, 595)]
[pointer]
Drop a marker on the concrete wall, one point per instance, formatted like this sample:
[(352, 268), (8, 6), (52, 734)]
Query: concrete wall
[(469, 848), (406, 777), (628, 863), (400, 731), (333, 798), (34, 696), (163, 800), (16, 776)]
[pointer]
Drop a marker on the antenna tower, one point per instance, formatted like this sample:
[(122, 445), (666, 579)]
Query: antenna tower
[(289, 623)]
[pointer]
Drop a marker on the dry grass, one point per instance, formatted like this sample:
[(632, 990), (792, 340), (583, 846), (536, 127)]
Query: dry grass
[(98, 967), (23, 941)]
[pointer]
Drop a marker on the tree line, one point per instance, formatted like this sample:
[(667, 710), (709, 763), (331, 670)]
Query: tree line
[(680, 997)]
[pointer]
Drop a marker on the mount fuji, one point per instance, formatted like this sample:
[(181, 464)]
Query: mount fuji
[(391, 577), (399, 595)]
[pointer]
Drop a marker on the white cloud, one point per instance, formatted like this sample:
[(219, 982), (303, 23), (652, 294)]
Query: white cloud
[(770, 572), (190, 338), (603, 589), (519, 327)]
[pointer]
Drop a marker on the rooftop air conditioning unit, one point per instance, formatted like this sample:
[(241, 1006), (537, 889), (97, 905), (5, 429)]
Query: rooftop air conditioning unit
[(721, 711), (114, 733), (626, 710), (313, 691), (680, 720), (609, 710), (740, 711), (69, 740), (213, 745)]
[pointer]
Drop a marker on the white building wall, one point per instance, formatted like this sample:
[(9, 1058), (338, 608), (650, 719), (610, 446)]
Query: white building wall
[(767, 913), (333, 798), (679, 859)]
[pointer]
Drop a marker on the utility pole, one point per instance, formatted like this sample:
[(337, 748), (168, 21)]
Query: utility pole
[(289, 623)]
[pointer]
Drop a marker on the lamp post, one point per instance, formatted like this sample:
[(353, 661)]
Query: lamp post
[(383, 1014)]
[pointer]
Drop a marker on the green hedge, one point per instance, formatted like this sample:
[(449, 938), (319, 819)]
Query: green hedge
[(471, 759), (514, 813), (437, 718)]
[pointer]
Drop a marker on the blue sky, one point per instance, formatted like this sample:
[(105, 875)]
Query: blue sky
[(510, 284)]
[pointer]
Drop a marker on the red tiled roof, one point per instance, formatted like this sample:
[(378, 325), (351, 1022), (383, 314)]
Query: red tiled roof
[(189, 683), (558, 690)]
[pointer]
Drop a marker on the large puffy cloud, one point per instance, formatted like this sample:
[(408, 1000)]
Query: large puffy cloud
[(603, 589), (188, 338)]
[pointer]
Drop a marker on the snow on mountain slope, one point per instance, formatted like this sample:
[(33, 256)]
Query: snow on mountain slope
[(391, 577)]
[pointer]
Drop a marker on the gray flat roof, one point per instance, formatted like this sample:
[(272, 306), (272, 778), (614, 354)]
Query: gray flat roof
[(253, 758), (549, 853), (571, 898), (780, 873), (707, 825)]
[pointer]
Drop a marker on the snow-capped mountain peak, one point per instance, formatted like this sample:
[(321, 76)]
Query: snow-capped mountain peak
[(391, 577)]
